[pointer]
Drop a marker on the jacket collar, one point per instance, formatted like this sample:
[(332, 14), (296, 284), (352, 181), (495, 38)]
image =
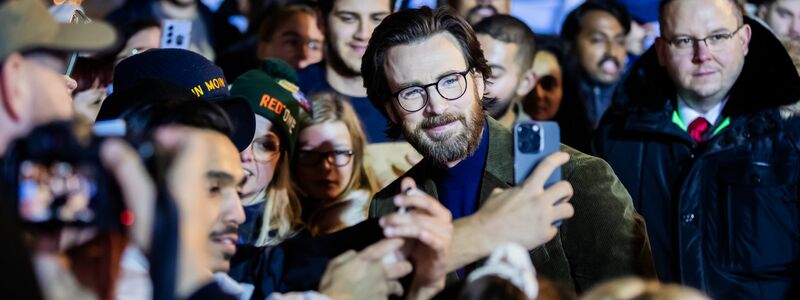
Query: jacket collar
[(499, 170)]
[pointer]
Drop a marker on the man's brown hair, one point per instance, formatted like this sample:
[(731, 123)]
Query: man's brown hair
[(406, 27)]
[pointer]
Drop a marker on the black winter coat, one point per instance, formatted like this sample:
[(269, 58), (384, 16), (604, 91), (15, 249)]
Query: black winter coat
[(722, 215)]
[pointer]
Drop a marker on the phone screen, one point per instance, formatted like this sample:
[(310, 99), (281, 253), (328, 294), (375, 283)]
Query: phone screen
[(59, 192)]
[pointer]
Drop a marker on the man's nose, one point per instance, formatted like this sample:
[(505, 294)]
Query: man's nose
[(437, 104), (701, 52)]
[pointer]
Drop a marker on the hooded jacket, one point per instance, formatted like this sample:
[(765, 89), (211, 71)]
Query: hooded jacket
[(722, 215)]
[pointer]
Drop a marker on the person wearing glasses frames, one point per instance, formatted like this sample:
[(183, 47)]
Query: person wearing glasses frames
[(435, 101), (291, 33), (330, 174), (704, 138), (271, 207)]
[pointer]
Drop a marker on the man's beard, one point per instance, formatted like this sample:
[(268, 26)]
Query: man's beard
[(448, 148), (335, 59), (496, 108)]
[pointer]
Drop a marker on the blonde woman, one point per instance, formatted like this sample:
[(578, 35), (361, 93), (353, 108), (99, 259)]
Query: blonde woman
[(329, 171), (272, 210)]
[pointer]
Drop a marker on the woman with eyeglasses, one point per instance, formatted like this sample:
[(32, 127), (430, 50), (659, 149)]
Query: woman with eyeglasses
[(272, 211), (329, 171)]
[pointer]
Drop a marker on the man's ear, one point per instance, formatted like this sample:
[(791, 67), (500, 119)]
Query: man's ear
[(11, 89), (526, 83), (746, 33)]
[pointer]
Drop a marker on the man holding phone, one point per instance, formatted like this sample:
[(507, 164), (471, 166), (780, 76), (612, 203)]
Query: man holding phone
[(435, 101)]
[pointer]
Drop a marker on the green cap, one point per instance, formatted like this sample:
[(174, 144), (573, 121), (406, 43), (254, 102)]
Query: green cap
[(26, 24), (273, 96)]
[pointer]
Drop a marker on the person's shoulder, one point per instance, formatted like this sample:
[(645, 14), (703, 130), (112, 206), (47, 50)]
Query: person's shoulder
[(578, 159), (315, 71), (584, 169), (311, 79)]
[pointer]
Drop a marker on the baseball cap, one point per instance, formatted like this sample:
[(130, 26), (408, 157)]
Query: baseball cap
[(187, 70), (27, 24), (273, 96)]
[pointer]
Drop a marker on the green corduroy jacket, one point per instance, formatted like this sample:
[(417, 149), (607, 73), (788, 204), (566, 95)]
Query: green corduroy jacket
[(605, 238)]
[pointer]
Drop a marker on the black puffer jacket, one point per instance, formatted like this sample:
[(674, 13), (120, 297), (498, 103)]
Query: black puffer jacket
[(722, 215)]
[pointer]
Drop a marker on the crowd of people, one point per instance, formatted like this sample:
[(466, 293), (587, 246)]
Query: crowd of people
[(349, 149)]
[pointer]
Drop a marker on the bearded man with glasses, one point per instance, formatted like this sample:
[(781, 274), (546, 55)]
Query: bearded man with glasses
[(425, 71), (704, 134)]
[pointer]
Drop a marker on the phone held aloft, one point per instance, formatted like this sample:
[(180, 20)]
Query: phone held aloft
[(533, 142)]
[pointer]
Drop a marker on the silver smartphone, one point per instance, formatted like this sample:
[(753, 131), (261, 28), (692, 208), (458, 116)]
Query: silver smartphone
[(533, 141), (176, 34)]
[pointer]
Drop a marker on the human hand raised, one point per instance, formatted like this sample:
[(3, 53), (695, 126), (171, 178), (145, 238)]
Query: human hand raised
[(366, 274), (527, 214), (427, 225)]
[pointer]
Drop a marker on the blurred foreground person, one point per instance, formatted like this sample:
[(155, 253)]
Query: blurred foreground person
[(33, 59), (635, 288)]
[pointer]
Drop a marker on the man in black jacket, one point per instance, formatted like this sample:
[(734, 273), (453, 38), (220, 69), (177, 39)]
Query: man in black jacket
[(707, 145), (594, 60)]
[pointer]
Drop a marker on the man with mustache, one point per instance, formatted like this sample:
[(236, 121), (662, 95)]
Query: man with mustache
[(594, 44), (425, 71), (476, 10), (706, 138)]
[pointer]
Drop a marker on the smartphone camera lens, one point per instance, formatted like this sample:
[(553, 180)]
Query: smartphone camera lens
[(529, 138)]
